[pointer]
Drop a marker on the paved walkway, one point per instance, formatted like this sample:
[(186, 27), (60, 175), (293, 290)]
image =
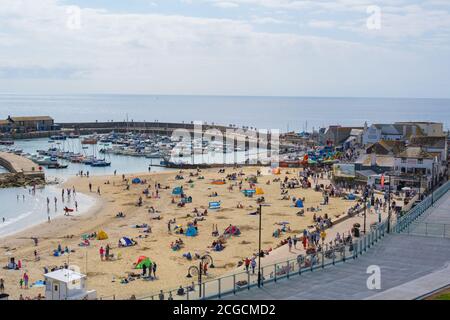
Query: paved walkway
[(406, 263), (17, 164)]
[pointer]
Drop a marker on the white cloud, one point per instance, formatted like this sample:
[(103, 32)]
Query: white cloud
[(160, 53)]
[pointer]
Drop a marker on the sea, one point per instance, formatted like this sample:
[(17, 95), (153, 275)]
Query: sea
[(283, 113), (22, 208)]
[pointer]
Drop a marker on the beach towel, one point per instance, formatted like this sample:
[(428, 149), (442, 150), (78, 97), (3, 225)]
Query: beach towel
[(214, 205)]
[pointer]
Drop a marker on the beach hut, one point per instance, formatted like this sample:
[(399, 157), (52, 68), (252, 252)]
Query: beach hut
[(102, 235), (214, 205), (136, 181), (66, 284), (125, 242), (299, 204), (259, 191), (143, 261), (191, 232)]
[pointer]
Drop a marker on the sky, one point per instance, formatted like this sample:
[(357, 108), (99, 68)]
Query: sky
[(314, 48)]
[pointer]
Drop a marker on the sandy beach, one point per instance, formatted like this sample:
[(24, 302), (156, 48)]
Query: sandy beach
[(104, 276)]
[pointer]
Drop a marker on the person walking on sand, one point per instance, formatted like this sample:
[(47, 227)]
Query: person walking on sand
[(25, 280), (90, 187), (290, 244), (98, 191), (144, 270), (102, 253), (2, 285), (154, 269), (76, 205)]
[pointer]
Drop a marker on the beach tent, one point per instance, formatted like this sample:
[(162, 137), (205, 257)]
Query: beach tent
[(102, 235), (351, 196), (126, 242), (191, 232), (233, 230), (259, 191), (252, 179), (177, 191), (214, 205), (248, 192), (276, 171), (136, 181), (299, 204), (143, 261)]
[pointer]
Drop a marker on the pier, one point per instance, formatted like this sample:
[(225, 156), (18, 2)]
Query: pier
[(22, 171)]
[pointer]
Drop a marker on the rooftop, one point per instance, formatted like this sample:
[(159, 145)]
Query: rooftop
[(65, 275), (415, 153), (32, 118), (432, 142)]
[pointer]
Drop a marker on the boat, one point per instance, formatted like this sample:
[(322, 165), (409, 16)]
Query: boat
[(100, 163), (58, 137), (57, 166), (6, 143), (74, 136), (89, 141)]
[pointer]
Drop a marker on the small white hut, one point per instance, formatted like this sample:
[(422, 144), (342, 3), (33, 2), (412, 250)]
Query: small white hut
[(66, 284)]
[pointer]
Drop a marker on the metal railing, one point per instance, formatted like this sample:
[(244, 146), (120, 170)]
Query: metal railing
[(428, 229), (404, 222), (241, 281)]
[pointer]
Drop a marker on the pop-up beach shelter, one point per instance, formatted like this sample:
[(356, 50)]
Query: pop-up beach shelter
[(259, 191), (102, 235), (136, 181), (276, 171), (177, 191), (191, 232), (126, 242), (143, 261), (351, 196), (248, 192), (299, 204)]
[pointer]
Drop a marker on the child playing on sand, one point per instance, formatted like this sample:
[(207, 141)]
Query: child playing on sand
[(102, 253)]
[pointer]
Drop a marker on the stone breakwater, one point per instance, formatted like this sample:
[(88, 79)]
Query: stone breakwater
[(15, 180)]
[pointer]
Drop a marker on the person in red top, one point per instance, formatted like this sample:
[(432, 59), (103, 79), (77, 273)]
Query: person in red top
[(305, 242), (247, 264), (205, 269), (102, 253)]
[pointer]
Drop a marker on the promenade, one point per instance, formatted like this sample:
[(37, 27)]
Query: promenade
[(411, 266)]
